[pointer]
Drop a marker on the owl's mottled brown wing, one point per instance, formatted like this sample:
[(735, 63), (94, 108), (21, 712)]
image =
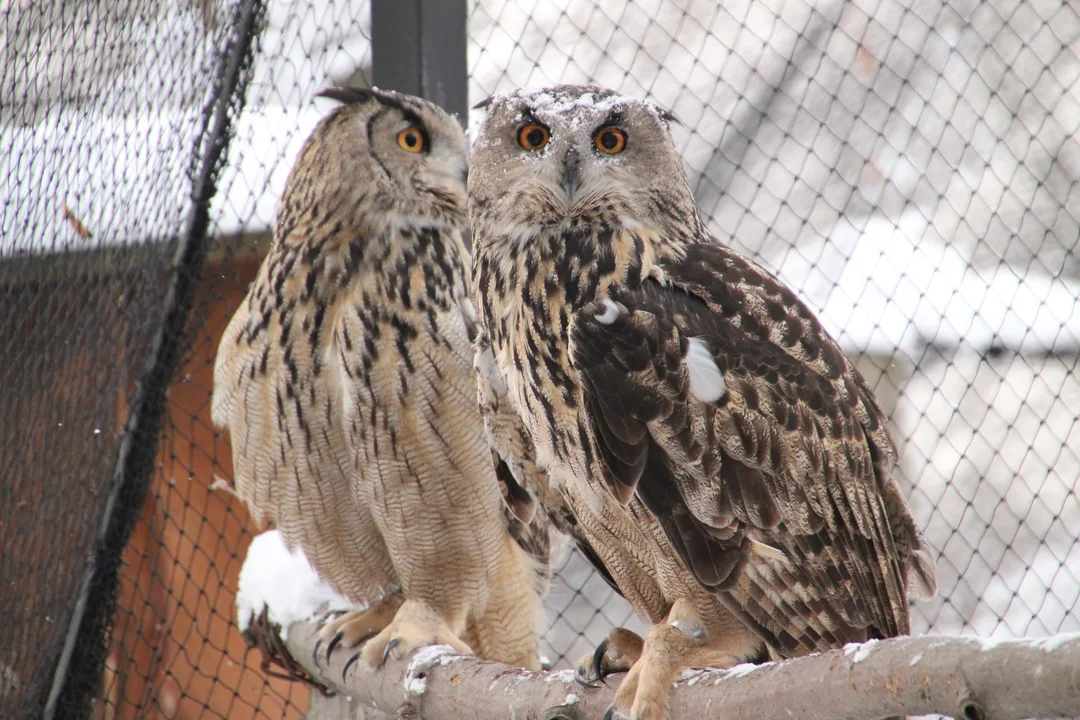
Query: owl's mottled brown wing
[(772, 481), (281, 403)]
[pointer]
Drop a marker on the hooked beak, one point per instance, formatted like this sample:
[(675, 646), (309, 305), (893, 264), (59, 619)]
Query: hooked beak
[(571, 173)]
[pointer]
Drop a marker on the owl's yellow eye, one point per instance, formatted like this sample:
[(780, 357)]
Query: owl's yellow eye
[(533, 137), (610, 140), (411, 139)]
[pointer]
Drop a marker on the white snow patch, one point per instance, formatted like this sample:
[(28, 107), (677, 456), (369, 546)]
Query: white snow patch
[(992, 643), (571, 699), (284, 582), (741, 670), (563, 676), (915, 660), (860, 651), (706, 380), (426, 658), (610, 313), (567, 108), (691, 676), (1047, 644), (1054, 642), (430, 656)]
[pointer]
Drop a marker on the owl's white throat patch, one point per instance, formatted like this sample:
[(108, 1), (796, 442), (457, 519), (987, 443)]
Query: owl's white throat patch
[(706, 381)]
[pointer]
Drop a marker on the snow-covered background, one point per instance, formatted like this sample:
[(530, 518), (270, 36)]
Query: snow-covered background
[(910, 167)]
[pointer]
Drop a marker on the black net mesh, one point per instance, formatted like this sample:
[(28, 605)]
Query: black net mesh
[(111, 127), (911, 168)]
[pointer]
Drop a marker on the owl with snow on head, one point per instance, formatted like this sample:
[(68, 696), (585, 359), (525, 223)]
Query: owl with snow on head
[(675, 407)]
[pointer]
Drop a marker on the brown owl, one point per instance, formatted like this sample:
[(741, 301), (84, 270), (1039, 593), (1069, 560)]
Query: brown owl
[(708, 442)]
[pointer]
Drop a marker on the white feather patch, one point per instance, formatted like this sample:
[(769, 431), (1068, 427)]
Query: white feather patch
[(610, 313), (469, 310), (706, 380), (767, 551)]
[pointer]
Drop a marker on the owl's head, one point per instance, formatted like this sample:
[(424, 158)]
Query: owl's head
[(384, 155), (575, 154)]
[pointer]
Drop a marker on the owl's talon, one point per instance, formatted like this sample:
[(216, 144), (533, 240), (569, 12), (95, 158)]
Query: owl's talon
[(348, 664), (414, 626), (355, 627), (598, 660), (583, 681), (333, 643), (315, 652), (389, 647), (616, 653)]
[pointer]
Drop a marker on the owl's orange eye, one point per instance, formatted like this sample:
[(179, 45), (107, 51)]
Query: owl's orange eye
[(610, 140), (533, 137), (411, 139)]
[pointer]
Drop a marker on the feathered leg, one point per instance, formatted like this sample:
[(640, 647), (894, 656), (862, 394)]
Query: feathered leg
[(677, 644)]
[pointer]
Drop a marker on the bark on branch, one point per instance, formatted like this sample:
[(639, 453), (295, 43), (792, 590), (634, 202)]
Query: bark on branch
[(963, 677)]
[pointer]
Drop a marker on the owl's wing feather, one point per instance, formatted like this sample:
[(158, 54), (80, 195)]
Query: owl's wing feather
[(721, 401), (281, 403)]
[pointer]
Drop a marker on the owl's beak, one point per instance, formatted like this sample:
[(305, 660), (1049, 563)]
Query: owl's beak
[(571, 173)]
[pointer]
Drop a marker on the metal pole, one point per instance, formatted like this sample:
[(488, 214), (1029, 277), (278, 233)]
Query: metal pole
[(418, 47)]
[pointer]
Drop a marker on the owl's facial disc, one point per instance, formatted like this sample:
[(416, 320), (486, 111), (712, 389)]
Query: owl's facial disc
[(569, 154)]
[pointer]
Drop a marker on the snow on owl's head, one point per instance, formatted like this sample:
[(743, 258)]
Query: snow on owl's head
[(575, 154)]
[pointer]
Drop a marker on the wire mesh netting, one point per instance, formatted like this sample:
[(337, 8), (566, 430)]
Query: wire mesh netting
[(105, 138), (911, 168)]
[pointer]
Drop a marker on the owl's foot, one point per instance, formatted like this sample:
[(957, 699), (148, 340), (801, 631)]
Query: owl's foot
[(415, 625), (679, 643), (266, 636), (616, 653), (353, 628)]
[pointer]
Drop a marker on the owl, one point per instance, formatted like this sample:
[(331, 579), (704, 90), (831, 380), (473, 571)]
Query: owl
[(346, 382), (701, 434)]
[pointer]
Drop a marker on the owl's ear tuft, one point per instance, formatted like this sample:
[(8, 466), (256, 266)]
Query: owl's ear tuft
[(350, 96), (666, 115)]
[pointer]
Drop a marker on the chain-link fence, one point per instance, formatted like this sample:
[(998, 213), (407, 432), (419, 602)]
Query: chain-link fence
[(910, 167)]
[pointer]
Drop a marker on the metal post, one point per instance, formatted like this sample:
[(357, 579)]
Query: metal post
[(418, 47)]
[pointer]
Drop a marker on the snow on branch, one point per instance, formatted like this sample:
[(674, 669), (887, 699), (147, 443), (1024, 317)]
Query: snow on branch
[(963, 677)]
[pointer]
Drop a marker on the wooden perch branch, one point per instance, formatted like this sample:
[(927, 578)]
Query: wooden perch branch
[(963, 677)]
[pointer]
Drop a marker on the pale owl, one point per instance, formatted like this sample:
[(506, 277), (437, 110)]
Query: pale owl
[(346, 382)]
